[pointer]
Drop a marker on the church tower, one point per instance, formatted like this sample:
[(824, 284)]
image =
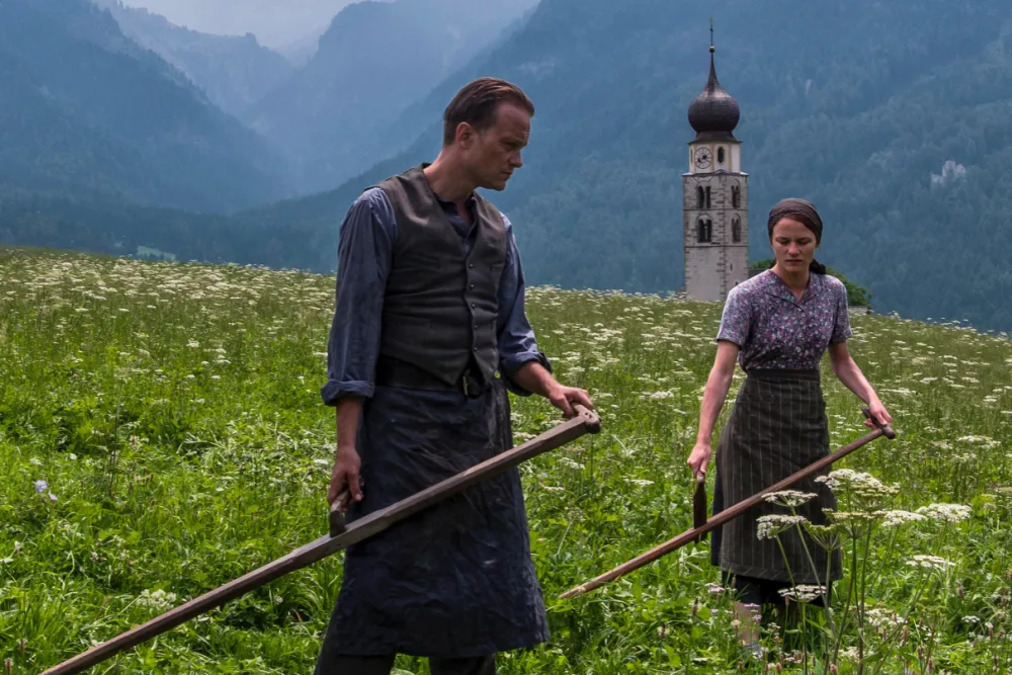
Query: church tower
[(715, 196)]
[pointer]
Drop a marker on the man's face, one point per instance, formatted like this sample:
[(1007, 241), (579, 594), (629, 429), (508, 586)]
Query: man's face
[(493, 154)]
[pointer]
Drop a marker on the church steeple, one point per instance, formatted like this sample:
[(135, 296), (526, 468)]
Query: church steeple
[(715, 196), (714, 112)]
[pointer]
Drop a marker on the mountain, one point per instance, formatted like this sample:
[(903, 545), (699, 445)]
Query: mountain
[(84, 111), (893, 119), (375, 59), (234, 71), (901, 143)]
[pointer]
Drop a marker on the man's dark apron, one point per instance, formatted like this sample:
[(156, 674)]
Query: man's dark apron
[(778, 426), (455, 580)]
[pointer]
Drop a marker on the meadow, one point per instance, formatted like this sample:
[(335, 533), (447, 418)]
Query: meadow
[(161, 432)]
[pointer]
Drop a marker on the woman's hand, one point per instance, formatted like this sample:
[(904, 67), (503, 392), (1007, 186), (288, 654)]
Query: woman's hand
[(699, 458), (879, 413)]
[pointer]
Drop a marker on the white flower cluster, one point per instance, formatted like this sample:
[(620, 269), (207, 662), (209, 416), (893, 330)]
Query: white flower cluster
[(950, 513), (894, 518), (768, 527), (859, 483), (789, 498), (158, 599), (803, 593), (930, 562), (883, 618)]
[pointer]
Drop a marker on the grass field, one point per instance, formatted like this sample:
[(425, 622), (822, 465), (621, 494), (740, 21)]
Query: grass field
[(161, 433)]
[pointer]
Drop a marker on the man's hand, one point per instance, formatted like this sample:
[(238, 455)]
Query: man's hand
[(564, 398), (345, 475)]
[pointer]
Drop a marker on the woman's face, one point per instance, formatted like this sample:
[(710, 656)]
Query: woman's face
[(793, 245)]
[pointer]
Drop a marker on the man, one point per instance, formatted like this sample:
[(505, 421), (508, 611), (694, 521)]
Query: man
[(429, 332)]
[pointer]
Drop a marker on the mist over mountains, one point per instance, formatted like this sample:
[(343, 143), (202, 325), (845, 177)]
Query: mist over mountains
[(85, 111), (332, 118), (893, 119), (234, 71)]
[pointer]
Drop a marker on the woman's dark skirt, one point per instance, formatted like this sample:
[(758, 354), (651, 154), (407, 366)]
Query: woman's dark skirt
[(778, 426)]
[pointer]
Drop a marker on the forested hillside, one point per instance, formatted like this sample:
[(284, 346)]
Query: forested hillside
[(234, 71), (892, 118), (85, 111), (834, 108), (331, 118)]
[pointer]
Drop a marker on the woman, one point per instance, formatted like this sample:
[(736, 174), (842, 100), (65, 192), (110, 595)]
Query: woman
[(777, 325)]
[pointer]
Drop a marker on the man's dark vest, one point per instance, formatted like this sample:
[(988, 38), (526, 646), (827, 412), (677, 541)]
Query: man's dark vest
[(440, 308)]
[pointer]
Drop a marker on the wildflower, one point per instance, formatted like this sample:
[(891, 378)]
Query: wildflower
[(851, 516), (52, 497), (714, 588), (950, 513), (803, 593), (883, 619), (768, 527), (930, 562), (641, 482), (158, 599), (41, 486), (572, 464), (859, 483), (789, 498), (893, 518)]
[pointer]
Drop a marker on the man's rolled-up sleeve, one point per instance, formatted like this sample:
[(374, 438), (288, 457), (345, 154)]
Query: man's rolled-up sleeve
[(364, 255), (517, 343)]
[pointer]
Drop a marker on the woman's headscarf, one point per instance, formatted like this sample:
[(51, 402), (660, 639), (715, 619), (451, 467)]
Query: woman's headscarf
[(804, 212)]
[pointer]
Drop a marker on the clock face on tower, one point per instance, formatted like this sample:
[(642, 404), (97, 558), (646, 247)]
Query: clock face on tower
[(702, 158)]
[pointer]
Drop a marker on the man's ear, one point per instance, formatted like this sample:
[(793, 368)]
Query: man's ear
[(464, 135)]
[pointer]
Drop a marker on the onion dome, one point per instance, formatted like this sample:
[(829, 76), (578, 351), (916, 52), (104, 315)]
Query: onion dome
[(714, 113)]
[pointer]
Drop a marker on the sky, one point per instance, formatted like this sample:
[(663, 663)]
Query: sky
[(276, 23)]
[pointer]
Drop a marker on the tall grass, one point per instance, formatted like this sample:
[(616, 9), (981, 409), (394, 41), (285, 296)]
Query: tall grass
[(161, 433)]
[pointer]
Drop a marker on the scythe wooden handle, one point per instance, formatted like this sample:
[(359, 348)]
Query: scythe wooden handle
[(584, 422), (724, 516)]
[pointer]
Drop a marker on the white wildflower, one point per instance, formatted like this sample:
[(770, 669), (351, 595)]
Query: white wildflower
[(893, 518), (859, 483), (158, 599), (803, 593), (882, 618), (930, 562), (789, 498), (768, 527), (950, 513)]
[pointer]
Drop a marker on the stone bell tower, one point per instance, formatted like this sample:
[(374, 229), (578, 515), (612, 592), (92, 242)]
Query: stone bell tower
[(715, 196)]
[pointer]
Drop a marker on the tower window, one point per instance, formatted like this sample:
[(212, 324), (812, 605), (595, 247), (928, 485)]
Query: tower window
[(736, 230), (700, 197), (735, 196), (707, 196), (720, 155), (704, 231)]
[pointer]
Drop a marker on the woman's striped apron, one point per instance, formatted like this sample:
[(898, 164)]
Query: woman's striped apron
[(778, 426)]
